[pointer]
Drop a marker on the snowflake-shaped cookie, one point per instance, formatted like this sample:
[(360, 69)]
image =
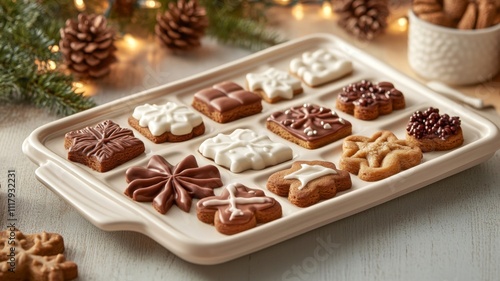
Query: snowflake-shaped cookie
[(34, 257), (244, 149), (238, 208), (166, 122), (308, 182), (103, 146), (274, 85), (309, 125), (165, 184), (378, 157), (319, 67)]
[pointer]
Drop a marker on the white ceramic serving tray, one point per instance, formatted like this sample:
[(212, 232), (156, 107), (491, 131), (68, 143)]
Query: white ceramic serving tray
[(99, 196)]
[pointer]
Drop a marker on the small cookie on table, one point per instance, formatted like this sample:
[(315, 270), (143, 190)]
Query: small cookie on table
[(308, 182), (238, 208), (168, 122), (309, 125), (320, 67), (226, 102), (103, 146), (379, 156), (432, 131), (274, 85), (38, 256)]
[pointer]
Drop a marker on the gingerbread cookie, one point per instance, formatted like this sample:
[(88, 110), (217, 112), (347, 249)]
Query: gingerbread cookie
[(308, 182), (309, 125), (244, 149), (367, 100), (169, 122), (226, 102), (432, 131), (103, 147), (274, 85), (237, 209), (379, 156), (165, 184), (320, 67), (34, 257)]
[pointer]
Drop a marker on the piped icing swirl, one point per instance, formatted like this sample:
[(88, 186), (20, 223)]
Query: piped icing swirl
[(165, 184)]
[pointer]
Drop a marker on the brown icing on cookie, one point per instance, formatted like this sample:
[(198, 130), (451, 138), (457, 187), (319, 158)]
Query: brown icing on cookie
[(310, 122), (238, 208), (103, 146), (165, 184), (226, 101), (367, 100)]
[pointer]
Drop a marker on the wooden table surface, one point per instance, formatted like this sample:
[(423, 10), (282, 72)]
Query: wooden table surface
[(449, 230)]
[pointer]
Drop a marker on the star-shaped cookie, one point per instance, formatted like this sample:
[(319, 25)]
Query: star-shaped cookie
[(379, 156)]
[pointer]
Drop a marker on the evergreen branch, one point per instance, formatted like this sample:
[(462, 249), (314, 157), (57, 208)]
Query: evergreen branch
[(28, 32)]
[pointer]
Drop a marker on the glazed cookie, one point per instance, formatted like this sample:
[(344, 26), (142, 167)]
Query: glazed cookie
[(308, 182), (431, 131), (103, 147), (309, 125), (274, 85), (168, 122), (367, 100), (164, 184), (244, 149), (320, 67), (379, 156), (226, 102), (34, 257), (237, 209)]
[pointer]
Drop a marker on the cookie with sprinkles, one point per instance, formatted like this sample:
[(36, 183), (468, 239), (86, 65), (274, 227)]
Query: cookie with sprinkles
[(309, 125)]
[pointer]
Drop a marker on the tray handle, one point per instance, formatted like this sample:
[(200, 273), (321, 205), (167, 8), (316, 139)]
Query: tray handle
[(100, 211)]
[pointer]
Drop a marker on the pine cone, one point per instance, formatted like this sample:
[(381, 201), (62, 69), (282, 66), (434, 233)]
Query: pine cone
[(364, 19), (87, 45), (182, 25)]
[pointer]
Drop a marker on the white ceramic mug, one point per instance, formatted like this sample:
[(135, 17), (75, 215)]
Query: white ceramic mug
[(453, 56)]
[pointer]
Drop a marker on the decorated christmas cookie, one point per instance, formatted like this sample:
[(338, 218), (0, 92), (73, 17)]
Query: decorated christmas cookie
[(274, 85), (309, 125), (168, 122), (379, 156), (308, 182), (244, 149), (320, 67), (165, 184), (432, 131), (103, 147), (226, 102), (367, 100), (237, 209)]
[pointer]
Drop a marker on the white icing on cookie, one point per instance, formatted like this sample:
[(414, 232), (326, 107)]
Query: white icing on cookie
[(307, 173), (274, 83), (233, 201), (170, 117), (243, 149), (321, 66)]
